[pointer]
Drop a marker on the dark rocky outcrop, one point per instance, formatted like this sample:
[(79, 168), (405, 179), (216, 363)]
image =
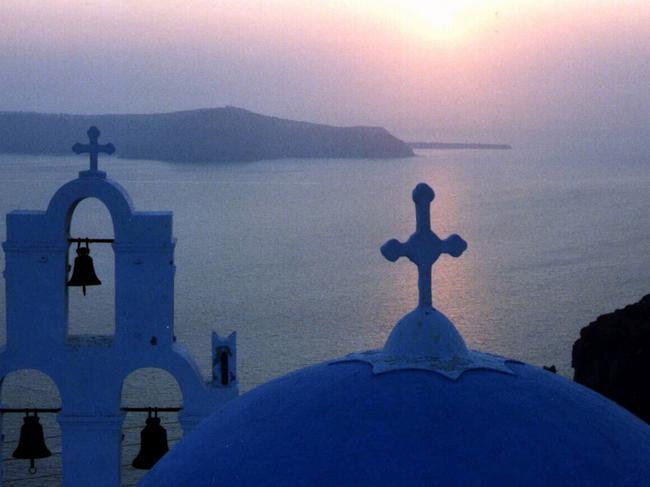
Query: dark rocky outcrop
[(209, 135), (612, 356)]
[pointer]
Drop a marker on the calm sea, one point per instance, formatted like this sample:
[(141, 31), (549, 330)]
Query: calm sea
[(286, 253)]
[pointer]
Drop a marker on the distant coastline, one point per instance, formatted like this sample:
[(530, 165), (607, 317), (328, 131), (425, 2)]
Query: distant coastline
[(457, 145), (226, 134)]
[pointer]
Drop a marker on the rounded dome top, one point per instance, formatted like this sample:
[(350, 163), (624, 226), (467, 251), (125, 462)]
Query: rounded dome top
[(423, 411), (338, 424)]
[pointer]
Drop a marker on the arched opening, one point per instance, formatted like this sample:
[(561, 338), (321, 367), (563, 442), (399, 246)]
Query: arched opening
[(30, 388), (92, 313), (143, 388)]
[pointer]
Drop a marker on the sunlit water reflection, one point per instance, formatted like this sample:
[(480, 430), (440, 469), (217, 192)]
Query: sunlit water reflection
[(287, 252)]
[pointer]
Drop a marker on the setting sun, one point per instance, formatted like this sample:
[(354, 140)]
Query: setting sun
[(435, 20)]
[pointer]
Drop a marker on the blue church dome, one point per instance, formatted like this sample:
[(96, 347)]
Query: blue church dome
[(423, 411)]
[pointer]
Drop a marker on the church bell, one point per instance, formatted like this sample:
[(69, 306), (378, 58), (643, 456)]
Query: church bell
[(153, 444), (31, 444), (83, 273)]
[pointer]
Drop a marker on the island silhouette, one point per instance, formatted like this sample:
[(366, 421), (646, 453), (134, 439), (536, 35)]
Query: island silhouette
[(205, 135)]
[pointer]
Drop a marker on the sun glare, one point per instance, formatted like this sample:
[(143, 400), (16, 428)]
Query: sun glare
[(437, 20), (431, 18)]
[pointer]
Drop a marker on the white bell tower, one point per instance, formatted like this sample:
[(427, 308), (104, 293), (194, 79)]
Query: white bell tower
[(89, 370)]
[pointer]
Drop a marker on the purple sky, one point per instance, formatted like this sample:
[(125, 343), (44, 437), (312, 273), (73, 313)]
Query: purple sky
[(421, 68)]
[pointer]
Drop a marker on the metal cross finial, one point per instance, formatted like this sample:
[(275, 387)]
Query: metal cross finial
[(423, 247), (93, 148)]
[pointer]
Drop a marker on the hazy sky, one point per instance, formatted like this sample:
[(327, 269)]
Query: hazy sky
[(418, 67)]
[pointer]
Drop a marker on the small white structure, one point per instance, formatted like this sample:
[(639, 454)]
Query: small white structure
[(89, 371)]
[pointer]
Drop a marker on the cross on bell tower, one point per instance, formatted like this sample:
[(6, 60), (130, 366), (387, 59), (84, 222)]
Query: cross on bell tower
[(423, 247), (93, 148)]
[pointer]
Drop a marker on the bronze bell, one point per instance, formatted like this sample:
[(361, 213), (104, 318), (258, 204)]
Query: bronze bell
[(83, 273), (31, 444), (153, 444)]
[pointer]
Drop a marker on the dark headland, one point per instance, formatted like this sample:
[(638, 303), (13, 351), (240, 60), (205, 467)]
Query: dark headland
[(458, 145), (206, 135)]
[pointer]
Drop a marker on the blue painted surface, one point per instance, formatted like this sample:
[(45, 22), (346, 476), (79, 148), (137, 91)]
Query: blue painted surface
[(425, 339), (399, 419), (89, 371), (339, 424)]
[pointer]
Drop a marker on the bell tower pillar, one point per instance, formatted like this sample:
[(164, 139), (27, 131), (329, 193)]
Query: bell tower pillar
[(144, 277), (35, 269), (92, 446)]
